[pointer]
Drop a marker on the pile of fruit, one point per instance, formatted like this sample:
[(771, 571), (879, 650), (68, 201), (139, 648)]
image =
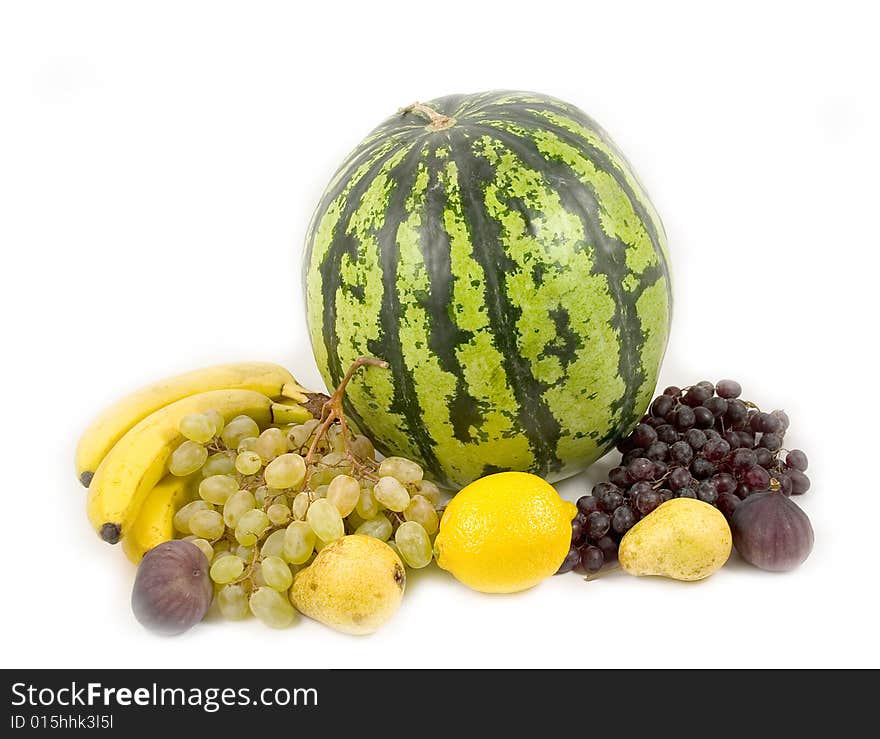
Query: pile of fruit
[(702, 442), (499, 255)]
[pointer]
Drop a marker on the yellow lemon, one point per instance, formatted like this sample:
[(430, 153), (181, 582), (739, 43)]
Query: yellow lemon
[(504, 533)]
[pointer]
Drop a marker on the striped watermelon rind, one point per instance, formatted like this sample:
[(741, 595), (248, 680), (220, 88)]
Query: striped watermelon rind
[(512, 271)]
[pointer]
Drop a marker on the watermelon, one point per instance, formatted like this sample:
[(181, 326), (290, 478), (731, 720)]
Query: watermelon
[(498, 251)]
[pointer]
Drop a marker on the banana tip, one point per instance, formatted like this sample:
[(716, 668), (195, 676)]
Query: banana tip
[(111, 533), (86, 478)]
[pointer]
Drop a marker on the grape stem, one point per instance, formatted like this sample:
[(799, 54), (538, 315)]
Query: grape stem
[(332, 411)]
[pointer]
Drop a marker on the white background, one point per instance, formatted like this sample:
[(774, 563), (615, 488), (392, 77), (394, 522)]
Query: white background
[(159, 163)]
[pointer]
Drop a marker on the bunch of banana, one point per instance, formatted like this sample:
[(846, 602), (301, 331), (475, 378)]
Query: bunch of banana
[(123, 455)]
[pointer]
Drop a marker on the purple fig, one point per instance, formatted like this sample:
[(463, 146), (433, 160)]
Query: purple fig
[(771, 532), (172, 590)]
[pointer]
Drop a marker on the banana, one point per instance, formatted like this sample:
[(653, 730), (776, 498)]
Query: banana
[(139, 459), (283, 413), (108, 428), (154, 522)]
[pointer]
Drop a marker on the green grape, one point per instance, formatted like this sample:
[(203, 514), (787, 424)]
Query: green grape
[(352, 521), (281, 499), (270, 444), (402, 470), (206, 548), (216, 489), (320, 544), (430, 491), (197, 427), (422, 512), (320, 491), (394, 548), (278, 513), (220, 548), (334, 459), (391, 493), (257, 576), (344, 492), (285, 471), (248, 463), (298, 436), (246, 553), (250, 527), (233, 602), (247, 444), (276, 573), (182, 517), (367, 505), (216, 420), (260, 495), (274, 545), (378, 527), (218, 464), (237, 429), (187, 458), (301, 502), (299, 542), (325, 520), (227, 569), (414, 545), (207, 525), (271, 607), (362, 447), (236, 506)]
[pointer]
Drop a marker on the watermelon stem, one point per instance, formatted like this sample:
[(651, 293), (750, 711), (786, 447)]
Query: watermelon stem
[(437, 121)]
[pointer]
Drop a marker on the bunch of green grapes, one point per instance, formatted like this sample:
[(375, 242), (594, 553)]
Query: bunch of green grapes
[(269, 500)]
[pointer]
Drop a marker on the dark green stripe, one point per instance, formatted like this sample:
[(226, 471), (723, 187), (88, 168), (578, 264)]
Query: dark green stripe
[(388, 346), (538, 423), (610, 259)]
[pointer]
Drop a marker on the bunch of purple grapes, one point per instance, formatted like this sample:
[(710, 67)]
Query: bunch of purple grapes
[(700, 442)]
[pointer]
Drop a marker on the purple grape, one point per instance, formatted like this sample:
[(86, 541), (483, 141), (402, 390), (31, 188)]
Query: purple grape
[(703, 418), (648, 500), (577, 531), (631, 455), (796, 460), (742, 491), (623, 519), (679, 478), (696, 439), (654, 422), (661, 406), (743, 459), (657, 451), (728, 389), (770, 424), (711, 434), (598, 524), (746, 439), (665, 494), (588, 504), (782, 416), (638, 488), (800, 483), (625, 444), (724, 482), (617, 476), (701, 468), (716, 406), (687, 492), (706, 492), (684, 418), (755, 420), (667, 434), (716, 449), (673, 391), (643, 435), (608, 547), (640, 469), (660, 469), (764, 457), (592, 559), (571, 559), (681, 453), (610, 500), (785, 485), (732, 439), (771, 441), (737, 411), (757, 478), (727, 503), (603, 487), (696, 395)]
